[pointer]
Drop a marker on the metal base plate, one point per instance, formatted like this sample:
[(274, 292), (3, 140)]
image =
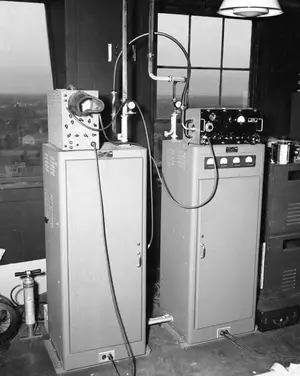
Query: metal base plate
[(34, 336), (179, 339), (29, 332), (57, 364)]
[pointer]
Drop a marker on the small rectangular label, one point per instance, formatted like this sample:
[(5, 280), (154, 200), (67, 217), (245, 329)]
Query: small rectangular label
[(232, 149), (105, 154)]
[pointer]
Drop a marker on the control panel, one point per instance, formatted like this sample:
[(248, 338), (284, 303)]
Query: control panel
[(240, 161), (67, 131), (223, 126)]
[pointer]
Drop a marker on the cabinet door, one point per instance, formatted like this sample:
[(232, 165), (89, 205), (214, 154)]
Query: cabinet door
[(282, 265), (228, 228), (90, 27), (93, 322)]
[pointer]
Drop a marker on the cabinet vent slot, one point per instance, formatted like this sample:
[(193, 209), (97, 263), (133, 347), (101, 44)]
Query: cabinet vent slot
[(288, 281), (293, 214)]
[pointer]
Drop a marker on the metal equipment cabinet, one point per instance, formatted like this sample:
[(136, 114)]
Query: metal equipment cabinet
[(280, 266), (82, 318), (209, 256)]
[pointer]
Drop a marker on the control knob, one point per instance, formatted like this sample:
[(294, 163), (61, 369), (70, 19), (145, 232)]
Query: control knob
[(238, 139), (131, 105), (212, 116), (177, 104), (209, 127), (240, 119)]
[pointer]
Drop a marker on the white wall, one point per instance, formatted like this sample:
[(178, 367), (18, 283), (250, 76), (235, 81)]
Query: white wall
[(8, 280)]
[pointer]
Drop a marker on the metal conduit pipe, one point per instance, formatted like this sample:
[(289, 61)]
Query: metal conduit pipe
[(151, 50), (165, 35), (124, 119)]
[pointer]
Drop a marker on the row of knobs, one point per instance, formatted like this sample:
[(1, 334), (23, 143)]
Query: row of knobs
[(239, 119), (224, 161), (236, 139)]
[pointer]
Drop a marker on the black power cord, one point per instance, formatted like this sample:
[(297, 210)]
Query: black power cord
[(114, 364), (12, 297), (245, 347), (174, 40), (110, 277), (162, 179)]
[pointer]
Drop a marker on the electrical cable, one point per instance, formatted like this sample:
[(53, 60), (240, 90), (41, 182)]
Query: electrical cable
[(15, 302), (150, 172), (244, 346), (109, 274), (206, 201), (162, 178), (163, 181), (170, 37), (114, 364), (102, 128), (150, 167)]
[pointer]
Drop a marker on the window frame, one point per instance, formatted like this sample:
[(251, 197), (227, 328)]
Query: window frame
[(34, 178), (252, 63)]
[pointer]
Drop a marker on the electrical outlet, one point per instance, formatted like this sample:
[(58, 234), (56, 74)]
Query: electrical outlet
[(103, 357), (219, 330)]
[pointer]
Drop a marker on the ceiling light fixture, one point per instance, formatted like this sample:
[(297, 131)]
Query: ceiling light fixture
[(250, 8)]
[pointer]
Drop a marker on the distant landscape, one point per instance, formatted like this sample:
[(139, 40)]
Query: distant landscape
[(23, 129)]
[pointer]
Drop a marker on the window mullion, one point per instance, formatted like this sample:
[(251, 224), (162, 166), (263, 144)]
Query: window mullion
[(221, 62)]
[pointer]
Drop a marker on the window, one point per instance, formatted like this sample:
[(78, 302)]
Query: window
[(25, 76), (219, 51)]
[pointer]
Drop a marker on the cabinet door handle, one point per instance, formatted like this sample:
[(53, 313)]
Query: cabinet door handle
[(109, 52), (202, 251), (139, 260), (263, 264)]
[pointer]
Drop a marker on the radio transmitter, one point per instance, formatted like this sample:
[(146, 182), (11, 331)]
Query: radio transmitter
[(223, 126)]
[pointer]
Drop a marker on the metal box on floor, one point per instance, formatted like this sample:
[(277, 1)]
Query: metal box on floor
[(81, 316), (276, 314), (209, 256)]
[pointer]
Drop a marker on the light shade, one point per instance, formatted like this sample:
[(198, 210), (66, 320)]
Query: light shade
[(250, 8)]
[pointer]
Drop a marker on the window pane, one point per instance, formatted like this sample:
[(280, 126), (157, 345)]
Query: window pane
[(164, 104), (204, 88), (25, 76), (237, 43), (168, 53), (206, 38), (235, 89)]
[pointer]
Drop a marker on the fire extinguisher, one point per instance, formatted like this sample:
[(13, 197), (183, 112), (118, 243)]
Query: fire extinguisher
[(29, 301)]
